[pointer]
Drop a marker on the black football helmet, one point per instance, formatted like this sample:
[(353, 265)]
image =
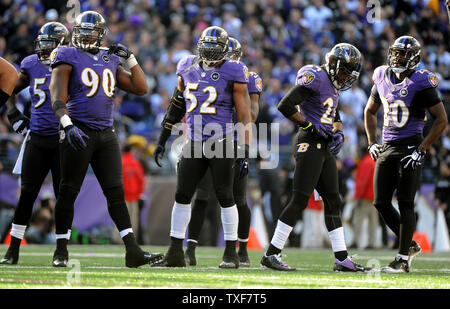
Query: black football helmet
[(404, 54), (89, 31), (213, 45), (49, 37), (343, 65), (234, 49)]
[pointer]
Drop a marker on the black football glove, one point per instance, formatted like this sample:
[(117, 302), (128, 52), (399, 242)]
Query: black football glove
[(414, 160), (19, 121), (120, 50), (337, 142), (159, 153), (75, 137), (242, 163)]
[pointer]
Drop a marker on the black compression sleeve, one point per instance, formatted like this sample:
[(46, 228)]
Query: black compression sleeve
[(426, 98), (295, 96), (337, 117), (375, 95), (3, 97)]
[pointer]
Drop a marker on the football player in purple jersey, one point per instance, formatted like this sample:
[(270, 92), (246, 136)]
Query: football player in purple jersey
[(405, 93), (318, 140), (82, 88), (42, 142), (239, 183), (210, 88)]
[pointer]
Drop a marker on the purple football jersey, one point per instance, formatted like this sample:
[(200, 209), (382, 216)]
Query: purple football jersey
[(92, 85), (42, 120), (209, 97), (254, 83), (319, 109), (400, 118)]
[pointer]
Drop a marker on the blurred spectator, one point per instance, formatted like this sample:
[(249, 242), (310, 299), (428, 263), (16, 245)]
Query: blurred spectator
[(133, 184), (363, 203)]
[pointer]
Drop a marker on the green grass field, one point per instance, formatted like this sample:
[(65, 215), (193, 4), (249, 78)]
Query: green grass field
[(104, 267)]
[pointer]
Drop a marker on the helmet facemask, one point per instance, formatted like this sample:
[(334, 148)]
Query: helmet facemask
[(43, 46), (88, 37), (401, 59), (342, 75), (211, 53)]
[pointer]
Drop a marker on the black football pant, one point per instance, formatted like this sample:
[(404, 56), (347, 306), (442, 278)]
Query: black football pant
[(192, 167), (390, 176), (315, 168), (41, 155), (201, 202), (104, 156)]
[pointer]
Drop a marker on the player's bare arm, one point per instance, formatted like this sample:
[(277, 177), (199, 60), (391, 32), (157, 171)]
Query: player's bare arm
[(254, 107), (242, 104), (23, 81), (133, 80), (8, 78), (370, 120), (440, 122), (59, 85)]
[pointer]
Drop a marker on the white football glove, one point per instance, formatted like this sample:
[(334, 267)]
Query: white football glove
[(414, 159), (374, 150)]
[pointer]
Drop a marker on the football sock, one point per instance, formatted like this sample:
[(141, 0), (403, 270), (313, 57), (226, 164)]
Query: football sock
[(18, 231), (230, 247), (338, 243), (15, 243), (181, 214), (230, 221), (279, 238)]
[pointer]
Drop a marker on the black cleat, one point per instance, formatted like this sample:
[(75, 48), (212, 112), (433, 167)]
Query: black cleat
[(135, 257), (244, 261), (398, 266), (173, 258), (11, 257), (348, 265), (60, 259), (229, 260), (189, 257), (274, 261), (414, 250)]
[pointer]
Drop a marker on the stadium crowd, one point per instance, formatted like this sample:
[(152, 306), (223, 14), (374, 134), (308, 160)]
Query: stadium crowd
[(278, 37)]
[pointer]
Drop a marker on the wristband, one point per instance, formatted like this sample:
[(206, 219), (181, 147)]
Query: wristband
[(65, 121), (131, 61)]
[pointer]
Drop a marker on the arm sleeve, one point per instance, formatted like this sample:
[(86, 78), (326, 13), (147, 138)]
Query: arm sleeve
[(375, 95), (294, 97), (426, 98)]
